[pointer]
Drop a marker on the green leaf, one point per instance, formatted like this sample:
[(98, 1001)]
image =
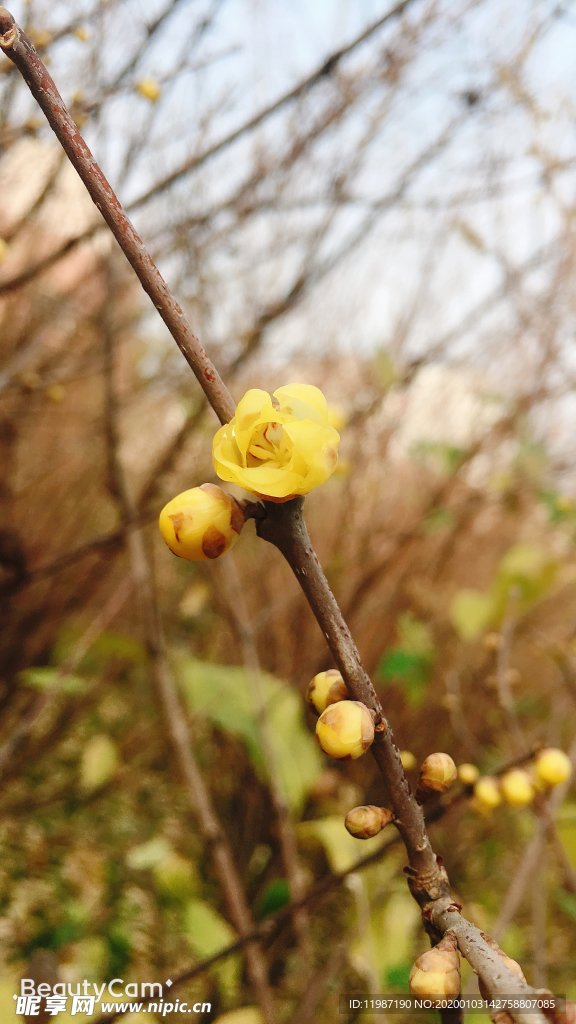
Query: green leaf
[(149, 854), (99, 762), (528, 570), (342, 850), (445, 458), (46, 678), (415, 635), (107, 647), (439, 518), (176, 876), (384, 369), (222, 694), (207, 933), (392, 928), (396, 977), (567, 903), (412, 670), (471, 613), (411, 661), (275, 896)]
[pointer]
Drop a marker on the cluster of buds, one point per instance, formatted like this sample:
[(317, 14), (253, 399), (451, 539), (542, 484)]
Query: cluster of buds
[(519, 786), (437, 773), (436, 974), (367, 821), (345, 729), (201, 524)]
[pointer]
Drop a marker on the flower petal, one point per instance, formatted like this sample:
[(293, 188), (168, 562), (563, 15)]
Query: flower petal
[(303, 401)]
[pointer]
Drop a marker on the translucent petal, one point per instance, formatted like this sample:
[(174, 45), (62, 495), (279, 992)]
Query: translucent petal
[(303, 401)]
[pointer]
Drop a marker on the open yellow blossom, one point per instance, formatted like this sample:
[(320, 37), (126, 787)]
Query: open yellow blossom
[(278, 450)]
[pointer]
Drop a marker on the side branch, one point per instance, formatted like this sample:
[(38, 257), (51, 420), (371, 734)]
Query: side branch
[(18, 47)]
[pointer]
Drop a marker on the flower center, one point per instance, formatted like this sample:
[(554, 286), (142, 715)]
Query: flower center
[(269, 446)]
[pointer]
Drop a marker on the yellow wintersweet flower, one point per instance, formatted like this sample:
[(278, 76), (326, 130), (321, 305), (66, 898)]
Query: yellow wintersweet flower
[(280, 449), (149, 88)]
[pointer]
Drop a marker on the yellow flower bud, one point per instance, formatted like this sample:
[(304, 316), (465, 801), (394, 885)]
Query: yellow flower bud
[(326, 688), (367, 821), (553, 766), (202, 523), (436, 974), (149, 88), (517, 789), (279, 450), (468, 774), (408, 760), (437, 774), (345, 729), (487, 792)]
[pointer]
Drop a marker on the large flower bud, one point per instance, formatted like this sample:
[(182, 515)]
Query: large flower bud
[(436, 974), (437, 774), (326, 688), (202, 523), (487, 793), (517, 788), (509, 963), (367, 821), (553, 766), (345, 729)]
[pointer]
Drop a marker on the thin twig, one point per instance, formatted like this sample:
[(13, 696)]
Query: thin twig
[(169, 700), (321, 979), (81, 648), (233, 594), (318, 75), (504, 689), (16, 45)]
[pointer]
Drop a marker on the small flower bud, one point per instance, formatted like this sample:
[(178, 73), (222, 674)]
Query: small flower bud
[(202, 523), (367, 821), (468, 773), (553, 766), (517, 789), (487, 792), (149, 88), (326, 688), (437, 774), (408, 760), (508, 962), (345, 729), (436, 974)]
